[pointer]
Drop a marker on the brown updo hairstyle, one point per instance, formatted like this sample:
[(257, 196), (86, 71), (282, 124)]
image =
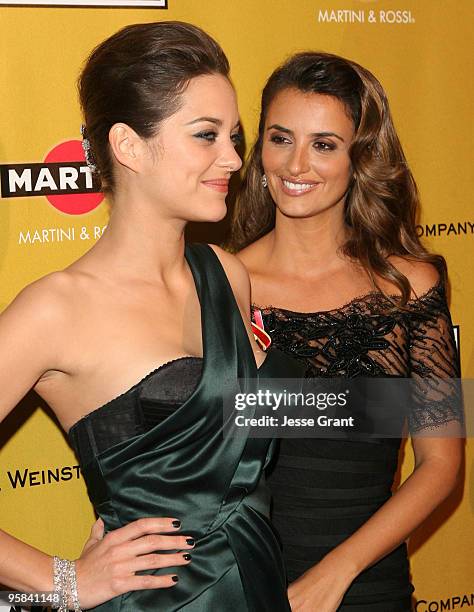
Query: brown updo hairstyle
[(382, 201), (137, 77)]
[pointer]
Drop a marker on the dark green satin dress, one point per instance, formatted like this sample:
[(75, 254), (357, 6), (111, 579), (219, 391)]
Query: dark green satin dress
[(183, 466)]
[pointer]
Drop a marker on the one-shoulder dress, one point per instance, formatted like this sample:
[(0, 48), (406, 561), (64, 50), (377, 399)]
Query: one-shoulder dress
[(325, 489), (159, 450)]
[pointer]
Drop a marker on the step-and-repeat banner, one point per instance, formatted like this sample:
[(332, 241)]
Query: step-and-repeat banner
[(50, 215)]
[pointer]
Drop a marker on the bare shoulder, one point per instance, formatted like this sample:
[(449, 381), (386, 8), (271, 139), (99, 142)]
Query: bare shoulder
[(422, 275), (44, 300), (34, 336), (235, 270)]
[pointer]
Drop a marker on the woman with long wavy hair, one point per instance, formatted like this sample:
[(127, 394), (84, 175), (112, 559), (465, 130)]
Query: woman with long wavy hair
[(325, 224)]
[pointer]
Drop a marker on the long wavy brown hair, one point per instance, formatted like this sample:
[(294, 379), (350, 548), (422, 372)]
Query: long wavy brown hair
[(382, 202)]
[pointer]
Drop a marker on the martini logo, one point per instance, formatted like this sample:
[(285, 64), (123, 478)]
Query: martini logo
[(343, 15), (91, 3), (64, 178)]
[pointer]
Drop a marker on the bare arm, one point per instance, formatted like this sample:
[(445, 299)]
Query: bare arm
[(437, 464), (30, 346), (27, 350)]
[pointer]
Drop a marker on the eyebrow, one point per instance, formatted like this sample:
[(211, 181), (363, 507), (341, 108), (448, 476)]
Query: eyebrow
[(280, 128), (214, 120)]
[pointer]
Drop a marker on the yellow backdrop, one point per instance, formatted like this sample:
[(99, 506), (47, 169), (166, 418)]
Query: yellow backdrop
[(420, 51)]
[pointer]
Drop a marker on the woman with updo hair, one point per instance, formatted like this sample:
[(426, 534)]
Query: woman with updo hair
[(325, 224), (136, 344)]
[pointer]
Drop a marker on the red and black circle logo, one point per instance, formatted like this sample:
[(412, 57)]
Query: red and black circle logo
[(64, 178)]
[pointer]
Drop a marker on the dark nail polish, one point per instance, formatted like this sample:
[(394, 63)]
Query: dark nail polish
[(190, 541), (176, 524), (174, 578), (187, 557)]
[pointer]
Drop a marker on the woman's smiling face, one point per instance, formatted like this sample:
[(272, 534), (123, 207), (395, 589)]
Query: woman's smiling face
[(305, 152), (194, 152)]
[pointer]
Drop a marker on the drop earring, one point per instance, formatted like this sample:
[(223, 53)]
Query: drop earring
[(264, 181)]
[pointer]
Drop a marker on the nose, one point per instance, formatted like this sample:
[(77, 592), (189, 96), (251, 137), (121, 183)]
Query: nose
[(230, 159), (298, 163)]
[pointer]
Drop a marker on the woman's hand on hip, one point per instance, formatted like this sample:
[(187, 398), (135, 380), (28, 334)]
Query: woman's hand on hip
[(108, 564)]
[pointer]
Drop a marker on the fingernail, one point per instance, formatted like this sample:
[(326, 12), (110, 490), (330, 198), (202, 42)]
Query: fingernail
[(176, 524), (174, 578), (190, 541), (187, 557)]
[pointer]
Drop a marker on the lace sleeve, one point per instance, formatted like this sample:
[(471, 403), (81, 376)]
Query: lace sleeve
[(434, 363)]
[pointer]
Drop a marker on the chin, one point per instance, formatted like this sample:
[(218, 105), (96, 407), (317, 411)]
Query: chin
[(218, 217), (304, 210), (212, 214), (297, 212)]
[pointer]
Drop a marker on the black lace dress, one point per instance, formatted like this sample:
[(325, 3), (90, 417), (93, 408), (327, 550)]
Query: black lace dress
[(325, 489)]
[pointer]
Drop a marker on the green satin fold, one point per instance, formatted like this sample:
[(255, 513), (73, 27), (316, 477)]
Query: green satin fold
[(185, 467)]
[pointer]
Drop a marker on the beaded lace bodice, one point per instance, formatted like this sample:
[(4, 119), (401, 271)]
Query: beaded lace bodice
[(367, 337)]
